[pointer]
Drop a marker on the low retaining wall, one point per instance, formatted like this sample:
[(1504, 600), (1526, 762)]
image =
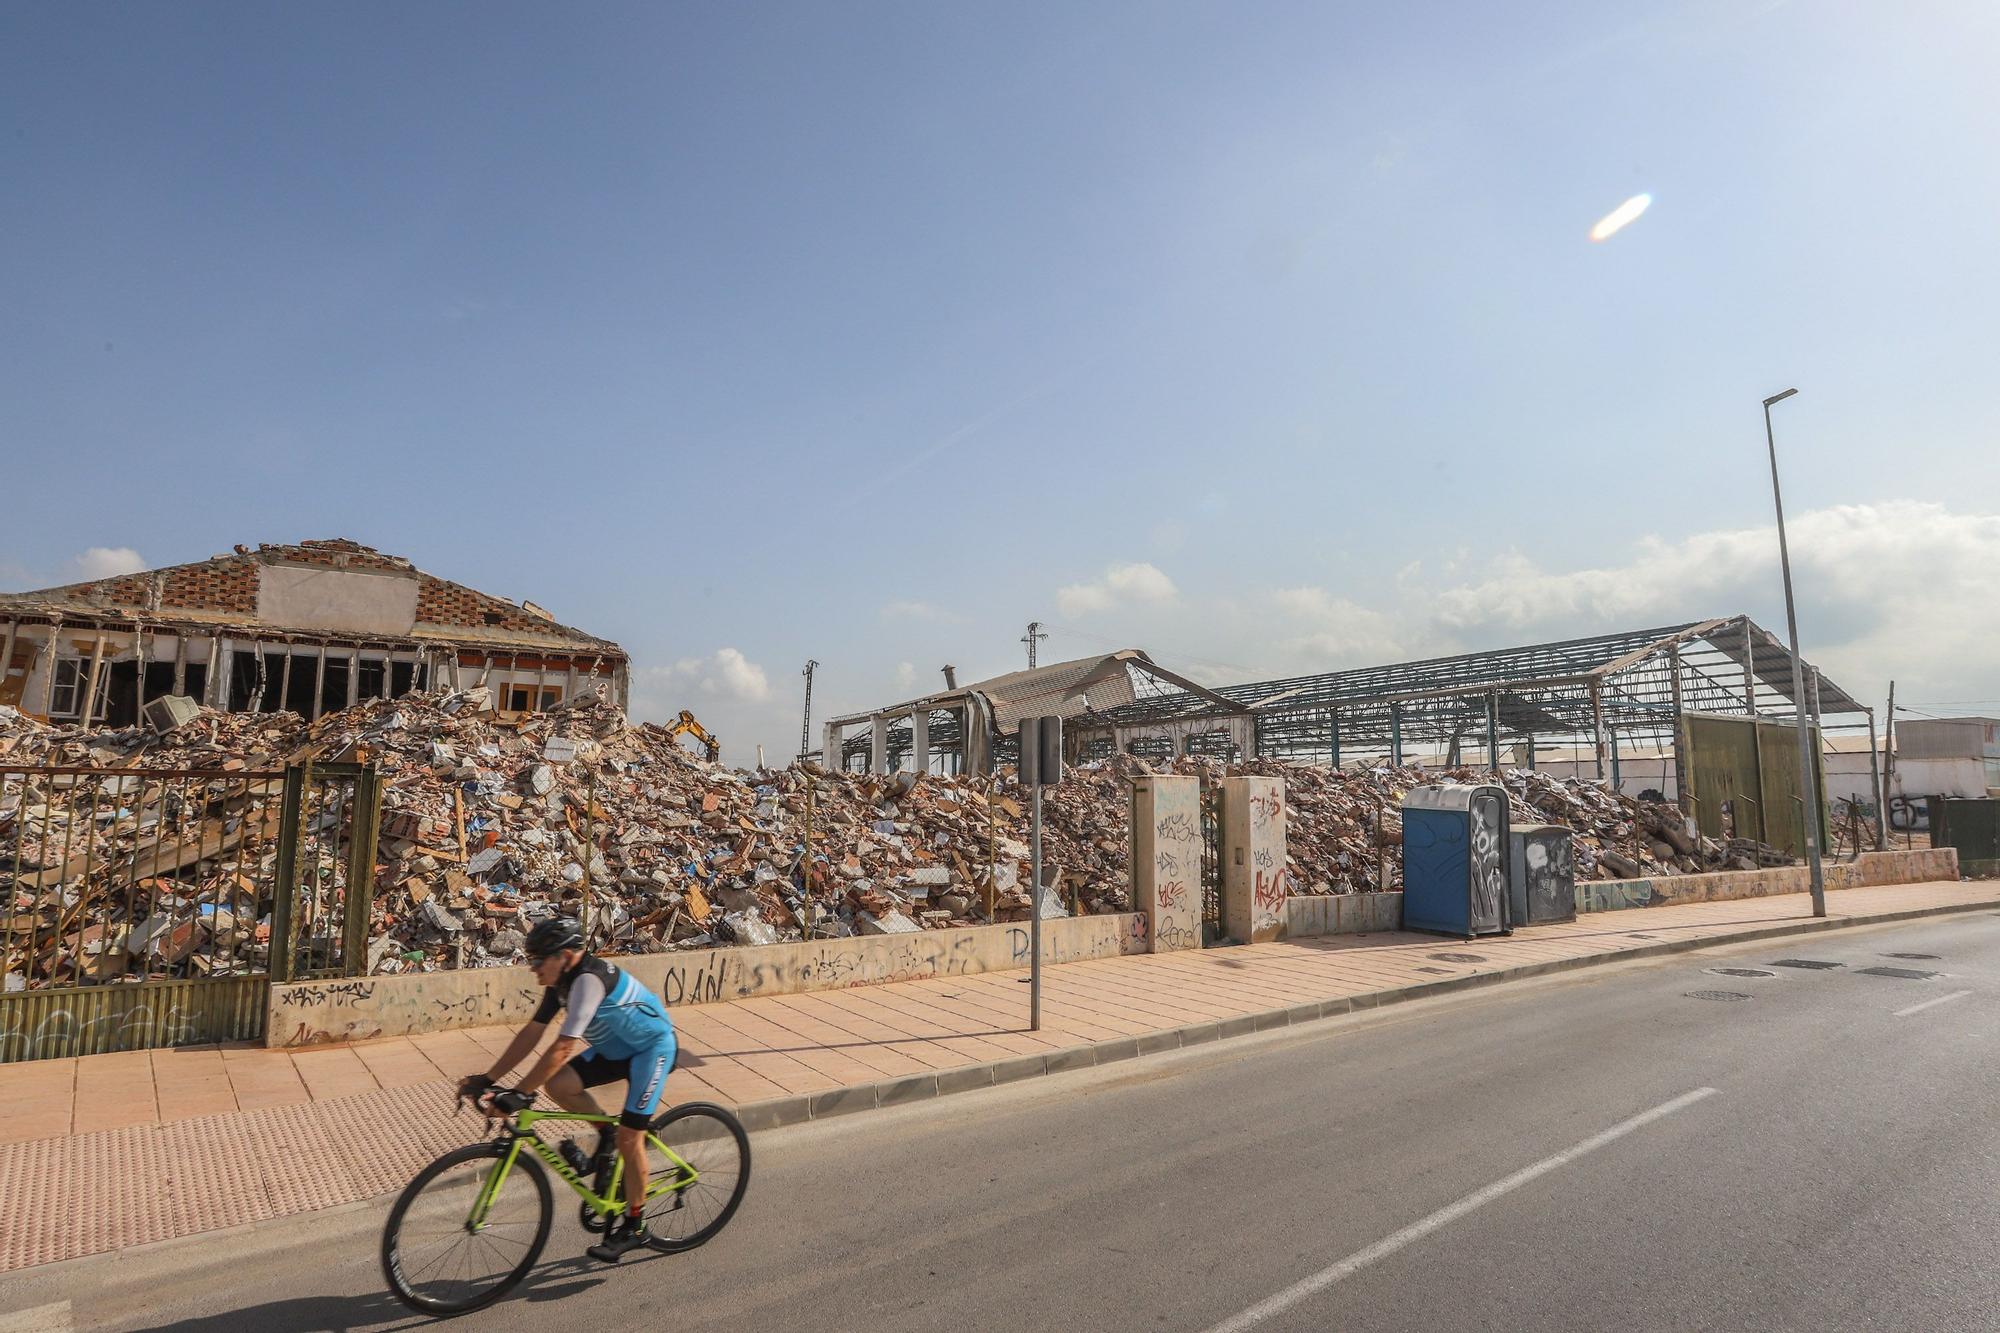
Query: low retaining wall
[(1869, 870), (307, 1013), (1357, 913), (1341, 914)]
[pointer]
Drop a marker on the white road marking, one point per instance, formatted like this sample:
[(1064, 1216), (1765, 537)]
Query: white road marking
[(1919, 1008), (1448, 1214), (54, 1318)]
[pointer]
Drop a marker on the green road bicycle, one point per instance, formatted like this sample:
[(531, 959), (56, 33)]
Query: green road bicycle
[(472, 1223)]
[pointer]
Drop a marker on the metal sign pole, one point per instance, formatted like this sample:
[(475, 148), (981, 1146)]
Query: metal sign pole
[(1035, 918), (1039, 764)]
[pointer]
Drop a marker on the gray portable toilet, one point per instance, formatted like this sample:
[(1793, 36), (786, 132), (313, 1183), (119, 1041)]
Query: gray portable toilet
[(1541, 880), (1455, 860)]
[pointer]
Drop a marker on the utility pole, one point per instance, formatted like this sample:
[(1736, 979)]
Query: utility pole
[(805, 724), (1889, 757), (1031, 638), (1809, 789)]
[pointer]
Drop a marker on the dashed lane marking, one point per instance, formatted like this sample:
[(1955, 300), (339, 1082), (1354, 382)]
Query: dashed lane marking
[(1445, 1216), (1931, 1004)]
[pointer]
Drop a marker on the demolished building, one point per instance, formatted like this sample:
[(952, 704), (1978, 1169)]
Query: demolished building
[(311, 628), (969, 729)]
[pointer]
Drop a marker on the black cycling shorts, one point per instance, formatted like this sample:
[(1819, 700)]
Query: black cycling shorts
[(645, 1075)]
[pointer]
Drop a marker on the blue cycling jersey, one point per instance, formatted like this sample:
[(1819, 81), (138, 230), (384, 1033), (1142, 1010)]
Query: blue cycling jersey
[(626, 1020)]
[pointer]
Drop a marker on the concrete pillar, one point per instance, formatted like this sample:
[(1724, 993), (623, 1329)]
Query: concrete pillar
[(920, 741), (878, 745), (829, 754), (1166, 860), (1253, 858)]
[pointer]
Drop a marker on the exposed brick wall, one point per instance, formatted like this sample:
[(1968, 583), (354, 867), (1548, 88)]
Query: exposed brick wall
[(228, 584), (440, 602), (337, 552), (214, 585)]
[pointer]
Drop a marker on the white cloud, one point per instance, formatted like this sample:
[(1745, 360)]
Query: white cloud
[(1885, 591), (1313, 625), (730, 694), (728, 673), (906, 675), (104, 562), (1137, 582)]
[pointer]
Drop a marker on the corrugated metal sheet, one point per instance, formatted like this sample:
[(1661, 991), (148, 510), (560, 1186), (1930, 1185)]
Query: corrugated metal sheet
[(90, 1020)]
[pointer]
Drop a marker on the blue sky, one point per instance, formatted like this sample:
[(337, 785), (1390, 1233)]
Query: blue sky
[(1266, 336)]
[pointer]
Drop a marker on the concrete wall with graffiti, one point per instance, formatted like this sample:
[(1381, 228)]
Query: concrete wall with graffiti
[(1166, 859), (1253, 859), (308, 1013)]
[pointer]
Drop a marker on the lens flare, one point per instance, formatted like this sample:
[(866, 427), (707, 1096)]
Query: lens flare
[(1613, 222)]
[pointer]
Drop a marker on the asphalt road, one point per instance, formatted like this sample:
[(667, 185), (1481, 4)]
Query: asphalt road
[(1594, 1151)]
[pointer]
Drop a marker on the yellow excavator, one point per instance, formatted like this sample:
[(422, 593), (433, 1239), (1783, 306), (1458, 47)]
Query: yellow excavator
[(685, 725)]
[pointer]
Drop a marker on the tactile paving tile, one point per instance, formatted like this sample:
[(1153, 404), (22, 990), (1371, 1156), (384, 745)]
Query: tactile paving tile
[(208, 1190), (383, 1138), (62, 1198)]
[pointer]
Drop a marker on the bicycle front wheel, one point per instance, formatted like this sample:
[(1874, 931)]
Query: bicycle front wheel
[(695, 1186), (455, 1242)]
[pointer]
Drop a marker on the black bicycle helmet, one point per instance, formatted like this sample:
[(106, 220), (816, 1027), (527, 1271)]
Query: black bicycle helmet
[(551, 937)]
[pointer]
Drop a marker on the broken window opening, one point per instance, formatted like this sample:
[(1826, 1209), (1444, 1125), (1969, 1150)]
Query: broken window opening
[(333, 693), (71, 674), (242, 680), (521, 698), (299, 694), (371, 679), (272, 699), (118, 693)]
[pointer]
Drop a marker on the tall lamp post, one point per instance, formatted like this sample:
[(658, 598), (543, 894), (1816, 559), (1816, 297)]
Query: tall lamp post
[(1809, 789)]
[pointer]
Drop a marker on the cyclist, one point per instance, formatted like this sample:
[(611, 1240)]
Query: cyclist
[(613, 1028)]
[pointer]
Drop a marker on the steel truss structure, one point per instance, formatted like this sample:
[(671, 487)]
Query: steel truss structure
[(1599, 694)]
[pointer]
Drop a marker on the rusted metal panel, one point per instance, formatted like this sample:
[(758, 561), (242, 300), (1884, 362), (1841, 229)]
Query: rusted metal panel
[(92, 1020)]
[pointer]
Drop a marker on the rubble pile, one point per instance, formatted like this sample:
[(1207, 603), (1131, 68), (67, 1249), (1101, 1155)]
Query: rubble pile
[(1344, 829), (490, 824)]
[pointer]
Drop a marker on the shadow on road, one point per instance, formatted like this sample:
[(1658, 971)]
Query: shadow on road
[(380, 1310)]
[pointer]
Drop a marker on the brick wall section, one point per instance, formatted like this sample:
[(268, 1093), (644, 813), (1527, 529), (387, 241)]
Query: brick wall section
[(228, 584), (440, 602), (214, 585)]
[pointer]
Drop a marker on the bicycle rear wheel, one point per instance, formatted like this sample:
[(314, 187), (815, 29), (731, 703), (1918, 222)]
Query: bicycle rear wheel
[(712, 1144), (441, 1256)]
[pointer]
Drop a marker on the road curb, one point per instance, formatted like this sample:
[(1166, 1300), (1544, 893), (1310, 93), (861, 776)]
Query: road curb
[(780, 1111)]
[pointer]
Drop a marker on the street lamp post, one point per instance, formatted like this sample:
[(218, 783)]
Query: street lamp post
[(1808, 788)]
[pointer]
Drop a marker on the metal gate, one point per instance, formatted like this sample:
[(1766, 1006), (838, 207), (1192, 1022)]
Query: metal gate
[(1212, 932), (152, 907), (1742, 779)]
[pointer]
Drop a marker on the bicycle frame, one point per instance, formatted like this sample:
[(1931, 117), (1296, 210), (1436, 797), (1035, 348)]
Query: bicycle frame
[(521, 1132)]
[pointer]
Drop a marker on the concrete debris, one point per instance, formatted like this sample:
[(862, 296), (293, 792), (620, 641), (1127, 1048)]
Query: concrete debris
[(1344, 829), (490, 825)]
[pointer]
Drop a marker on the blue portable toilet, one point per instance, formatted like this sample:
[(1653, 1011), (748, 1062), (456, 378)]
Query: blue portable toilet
[(1455, 860)]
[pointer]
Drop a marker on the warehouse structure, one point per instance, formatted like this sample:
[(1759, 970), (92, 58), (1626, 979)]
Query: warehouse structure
[(1717, 695)]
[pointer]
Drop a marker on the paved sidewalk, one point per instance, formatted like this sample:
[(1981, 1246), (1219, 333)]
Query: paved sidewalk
[(108, 1151)]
